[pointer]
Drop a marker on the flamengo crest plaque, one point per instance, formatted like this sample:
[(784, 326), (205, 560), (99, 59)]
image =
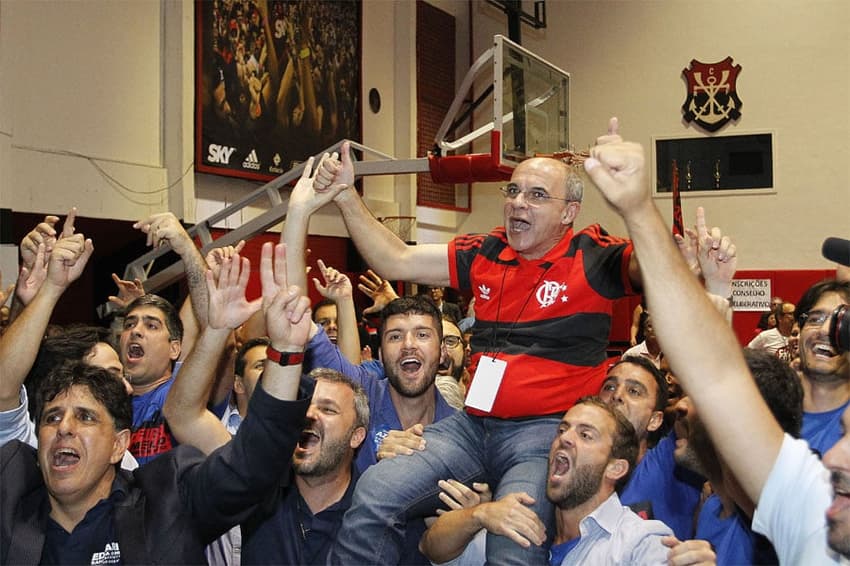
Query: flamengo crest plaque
[(712, 94)]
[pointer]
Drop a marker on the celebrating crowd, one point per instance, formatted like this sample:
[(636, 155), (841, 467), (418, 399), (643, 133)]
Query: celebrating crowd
[(227, 430)]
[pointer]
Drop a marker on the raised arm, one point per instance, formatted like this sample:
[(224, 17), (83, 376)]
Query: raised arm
[(186, 405), (385, 252), (377, 289), (712, 257), (708, 362), (337, 287), (164, 228), (32, 274), (297, 225), (225, 371), (21, 341), (226, 488), (718, 259), (287, 312)]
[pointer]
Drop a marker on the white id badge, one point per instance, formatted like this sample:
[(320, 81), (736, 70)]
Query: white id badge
[(485, 384)]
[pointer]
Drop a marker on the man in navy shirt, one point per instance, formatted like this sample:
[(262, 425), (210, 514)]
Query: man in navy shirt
[(300, 518)]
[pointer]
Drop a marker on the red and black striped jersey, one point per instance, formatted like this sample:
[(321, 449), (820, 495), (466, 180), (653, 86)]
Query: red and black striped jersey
[(549, 318)]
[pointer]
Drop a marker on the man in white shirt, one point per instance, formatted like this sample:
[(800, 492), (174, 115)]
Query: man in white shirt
[(775, 340)]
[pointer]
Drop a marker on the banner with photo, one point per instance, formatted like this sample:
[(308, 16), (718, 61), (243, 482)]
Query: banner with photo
[(276, 81)]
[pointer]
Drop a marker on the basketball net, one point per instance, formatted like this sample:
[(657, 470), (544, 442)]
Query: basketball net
[(571, 158), (401, 226)]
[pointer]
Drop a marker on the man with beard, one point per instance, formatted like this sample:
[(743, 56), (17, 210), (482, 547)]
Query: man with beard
[(297, 524), (825, 372), (726, 516), (657, 488), (407, 400), (591, 455), (780, 474), (635, 388), (450, 376)]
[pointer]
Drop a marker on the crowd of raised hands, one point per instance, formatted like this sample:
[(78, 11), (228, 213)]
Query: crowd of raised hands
[(685, 278)]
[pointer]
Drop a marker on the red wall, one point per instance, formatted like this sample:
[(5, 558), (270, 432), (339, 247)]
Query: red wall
[(788, 284), (334, 251)]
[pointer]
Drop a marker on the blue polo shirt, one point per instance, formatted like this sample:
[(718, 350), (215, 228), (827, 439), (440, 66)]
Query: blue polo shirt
[(93, 541)]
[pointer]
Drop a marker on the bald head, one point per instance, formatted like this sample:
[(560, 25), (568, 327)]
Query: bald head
[(566, 176)]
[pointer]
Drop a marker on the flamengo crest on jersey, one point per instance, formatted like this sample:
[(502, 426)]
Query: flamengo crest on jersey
[(549, 292)]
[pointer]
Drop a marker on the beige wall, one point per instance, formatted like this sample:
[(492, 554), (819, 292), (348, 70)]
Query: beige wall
[(113, 81), (626, 59)]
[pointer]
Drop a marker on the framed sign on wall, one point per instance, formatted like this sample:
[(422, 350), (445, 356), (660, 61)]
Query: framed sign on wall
[(738, 164), (276, 81)]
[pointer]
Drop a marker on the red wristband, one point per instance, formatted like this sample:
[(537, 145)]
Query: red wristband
[(284, 358)]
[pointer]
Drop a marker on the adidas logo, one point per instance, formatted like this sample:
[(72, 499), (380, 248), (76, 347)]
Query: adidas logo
[(484, 292), (251, 162)]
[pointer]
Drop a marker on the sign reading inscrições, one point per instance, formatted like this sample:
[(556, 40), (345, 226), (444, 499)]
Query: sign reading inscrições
[(751, 294)]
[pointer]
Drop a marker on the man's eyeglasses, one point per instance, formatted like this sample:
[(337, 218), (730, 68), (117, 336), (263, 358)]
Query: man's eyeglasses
[(451, 341), (534, 197), (814, 318)]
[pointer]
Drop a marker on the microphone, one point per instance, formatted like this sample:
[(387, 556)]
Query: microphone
[(837, 250)]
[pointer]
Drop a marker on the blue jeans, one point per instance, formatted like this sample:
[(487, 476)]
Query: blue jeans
[(511, 455)]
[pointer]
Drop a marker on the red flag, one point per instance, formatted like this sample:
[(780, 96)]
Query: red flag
[(678, 223)]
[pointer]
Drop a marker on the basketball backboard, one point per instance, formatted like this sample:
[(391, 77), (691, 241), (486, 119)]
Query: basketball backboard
[(530, 107)]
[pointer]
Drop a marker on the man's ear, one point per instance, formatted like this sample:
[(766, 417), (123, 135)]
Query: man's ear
[(570, 212), (175, 348), (238, 385), (616, 469), (119, 446), (357, 437), (655, 421)]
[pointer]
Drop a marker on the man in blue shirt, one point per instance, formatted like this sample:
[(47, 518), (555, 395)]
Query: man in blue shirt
[(726, 516), (593, 452), (657, 488), (152, 339), (825, 372), (407, 400)]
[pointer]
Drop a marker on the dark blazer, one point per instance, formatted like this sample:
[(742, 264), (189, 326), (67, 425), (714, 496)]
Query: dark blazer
[(176, 504)]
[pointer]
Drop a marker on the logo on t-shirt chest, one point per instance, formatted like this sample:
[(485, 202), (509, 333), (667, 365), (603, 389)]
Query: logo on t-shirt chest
[(550, 292)]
